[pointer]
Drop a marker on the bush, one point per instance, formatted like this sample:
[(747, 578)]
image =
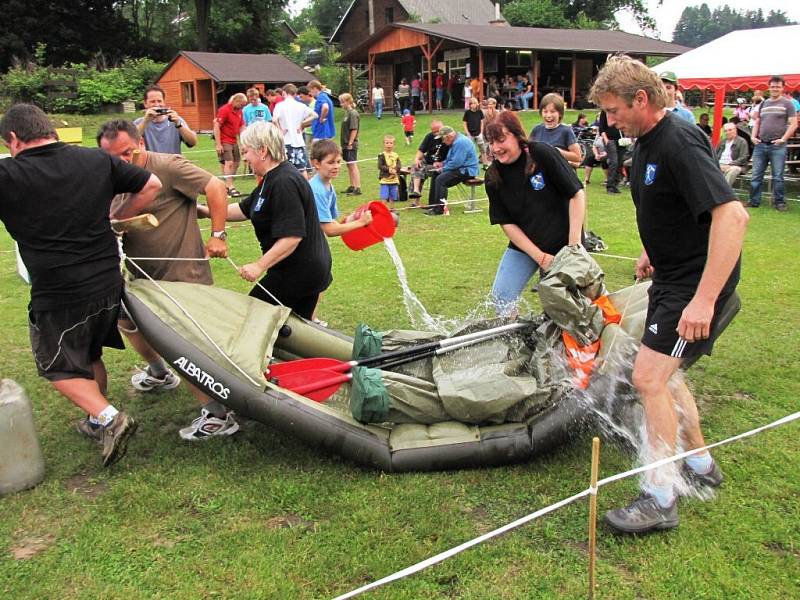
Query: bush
[(96, 87)]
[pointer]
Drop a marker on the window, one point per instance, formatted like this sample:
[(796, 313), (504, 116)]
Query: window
[(521, 58), (388, 14), (187, 92)]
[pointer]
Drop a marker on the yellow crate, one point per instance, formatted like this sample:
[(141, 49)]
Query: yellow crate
[(70, 135)]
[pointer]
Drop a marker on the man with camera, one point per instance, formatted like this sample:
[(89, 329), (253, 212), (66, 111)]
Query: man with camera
[(161, 127)]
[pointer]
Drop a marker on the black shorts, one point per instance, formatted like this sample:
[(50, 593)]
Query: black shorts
[(67, 341), (409, 134), (664, 311), (349, 155), (287, 294)]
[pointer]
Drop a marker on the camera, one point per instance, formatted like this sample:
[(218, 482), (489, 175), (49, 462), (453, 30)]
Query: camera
[(162, 111)]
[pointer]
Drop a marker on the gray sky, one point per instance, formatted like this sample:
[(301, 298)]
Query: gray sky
[(669, 12)]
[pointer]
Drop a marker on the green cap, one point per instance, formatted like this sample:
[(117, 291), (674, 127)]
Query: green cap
[(669, 77), (446, 131)]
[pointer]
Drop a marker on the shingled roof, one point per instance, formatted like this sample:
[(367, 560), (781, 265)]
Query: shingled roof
[(476, 12), (531, 38), (246, 68)]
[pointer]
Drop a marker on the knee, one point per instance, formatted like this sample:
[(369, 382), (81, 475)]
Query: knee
[(645, 383)]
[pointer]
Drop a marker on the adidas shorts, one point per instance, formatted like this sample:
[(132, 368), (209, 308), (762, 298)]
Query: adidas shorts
[(664, 311)]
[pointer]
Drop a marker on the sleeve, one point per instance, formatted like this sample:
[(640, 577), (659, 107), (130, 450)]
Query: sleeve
[(288, 216), (125, 176), (557, 169), (383, 169), (707, 187), (267, 114), (246, 204), (498, 212), (425, 145), (189, 179), (355, 121), (323, 208), (465, 117), (569, 136)]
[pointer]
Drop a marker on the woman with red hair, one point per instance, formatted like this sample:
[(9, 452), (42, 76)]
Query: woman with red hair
[(538, 200)]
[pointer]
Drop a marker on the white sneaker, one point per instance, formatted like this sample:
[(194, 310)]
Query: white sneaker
[(207, 425), (145, 382)]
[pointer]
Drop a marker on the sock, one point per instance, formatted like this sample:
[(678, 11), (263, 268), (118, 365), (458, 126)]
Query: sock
[(107, 415), (663, 495), (217, 409), (700, 463), (157, 368), (94, 420)]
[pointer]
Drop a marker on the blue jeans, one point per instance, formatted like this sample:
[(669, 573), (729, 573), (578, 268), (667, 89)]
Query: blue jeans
[(774, 154), (513, 273), (523, 99), (378, 108)]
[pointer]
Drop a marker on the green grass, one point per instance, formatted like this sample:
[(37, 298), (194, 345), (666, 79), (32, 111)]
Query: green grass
[(265, 516)]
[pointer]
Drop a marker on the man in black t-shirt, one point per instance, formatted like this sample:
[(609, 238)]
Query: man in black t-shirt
[(55, 201), (692, 230), (431, 150)]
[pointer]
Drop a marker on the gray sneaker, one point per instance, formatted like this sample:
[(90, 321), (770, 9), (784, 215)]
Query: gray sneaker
[(713, 478), (91, 430), (642, 515), (116, 437), (144, 381)]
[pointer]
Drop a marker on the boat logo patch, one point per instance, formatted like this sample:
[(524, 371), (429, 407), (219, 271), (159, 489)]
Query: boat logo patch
[(537, 182), (194, 372), (650, 173)]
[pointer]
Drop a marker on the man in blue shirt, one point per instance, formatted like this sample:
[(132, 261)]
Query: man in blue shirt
[(460, 165), (255, 109), (670, 82), (323, 127)]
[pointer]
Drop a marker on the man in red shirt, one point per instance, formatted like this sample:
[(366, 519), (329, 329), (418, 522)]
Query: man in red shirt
[(227, 126)]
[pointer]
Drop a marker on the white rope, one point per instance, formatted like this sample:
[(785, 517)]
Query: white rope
[(165, 258), (614, 256), (196, 324), (548, 509), (258, 283)]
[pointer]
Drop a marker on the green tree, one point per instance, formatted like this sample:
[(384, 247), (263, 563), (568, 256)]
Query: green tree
[(579, 14), (536, 13), (699, 25)]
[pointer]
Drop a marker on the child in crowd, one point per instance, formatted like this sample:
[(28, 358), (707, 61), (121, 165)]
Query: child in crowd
[(409, 122), (473, 127), (599, 156), (388, 170), (555, 133), (326, 158)]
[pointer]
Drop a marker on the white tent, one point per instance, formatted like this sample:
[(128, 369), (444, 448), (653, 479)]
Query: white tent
[(739, 60)]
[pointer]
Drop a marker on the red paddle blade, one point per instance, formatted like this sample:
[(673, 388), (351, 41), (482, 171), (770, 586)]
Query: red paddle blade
[(305, 364), (316, 385)]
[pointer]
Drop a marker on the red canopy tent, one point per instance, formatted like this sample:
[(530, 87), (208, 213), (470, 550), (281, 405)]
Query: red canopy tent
[(736, 61)]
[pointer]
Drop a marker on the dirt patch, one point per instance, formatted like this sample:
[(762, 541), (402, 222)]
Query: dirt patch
[(291, 521), (27, 545), (83, 485), (480, 516), (780, 549)]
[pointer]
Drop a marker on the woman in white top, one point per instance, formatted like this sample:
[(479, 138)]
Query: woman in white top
[(377, 99)]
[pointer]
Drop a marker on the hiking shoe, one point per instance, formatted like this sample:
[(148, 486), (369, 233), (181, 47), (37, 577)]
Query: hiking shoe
[(116, 436), (349, 189), (207, 425), (612, 191), (752, 204), (713, 478), (642, 515), (781, 207), (354, 192), (145, 382), (93, 431)]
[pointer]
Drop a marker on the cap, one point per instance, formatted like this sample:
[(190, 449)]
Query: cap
[(669, 77), (740, 101), (446, 130), (406, 112)]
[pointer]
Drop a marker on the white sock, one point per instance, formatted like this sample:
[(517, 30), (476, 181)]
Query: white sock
[(94, 420), (663, 495), (107, 415), (700, 463)]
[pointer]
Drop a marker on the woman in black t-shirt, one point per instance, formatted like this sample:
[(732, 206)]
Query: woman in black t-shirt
[(473, 126), (535, 196), (296, 256)]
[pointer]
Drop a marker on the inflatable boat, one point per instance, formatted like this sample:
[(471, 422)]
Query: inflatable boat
[(223, 343)]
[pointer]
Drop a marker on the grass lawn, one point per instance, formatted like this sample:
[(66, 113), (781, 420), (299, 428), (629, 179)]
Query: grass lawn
[(262, 515)]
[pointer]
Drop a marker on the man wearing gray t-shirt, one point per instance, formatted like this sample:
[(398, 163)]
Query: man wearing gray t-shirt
[(162, 128), (773, 124)]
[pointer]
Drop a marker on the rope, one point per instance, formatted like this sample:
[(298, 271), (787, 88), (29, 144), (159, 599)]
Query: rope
[(194, 322), (258, 283), (548, 509)]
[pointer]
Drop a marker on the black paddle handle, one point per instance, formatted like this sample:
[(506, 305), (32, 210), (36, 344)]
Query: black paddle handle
[(412, 353)]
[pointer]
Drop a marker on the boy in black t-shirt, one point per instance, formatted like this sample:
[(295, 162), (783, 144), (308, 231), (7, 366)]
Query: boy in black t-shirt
[(692, 231), (55, 201)]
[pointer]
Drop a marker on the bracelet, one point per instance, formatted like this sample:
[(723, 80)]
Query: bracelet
[(178, 125)]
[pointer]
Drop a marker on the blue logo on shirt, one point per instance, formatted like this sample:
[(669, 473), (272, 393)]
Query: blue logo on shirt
[(537, 182), (259, 204), (650, 173)]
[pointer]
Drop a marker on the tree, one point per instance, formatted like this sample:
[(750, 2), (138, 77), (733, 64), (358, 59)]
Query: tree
[(579, 14), (699, 25), (535, 13), (322, 14)]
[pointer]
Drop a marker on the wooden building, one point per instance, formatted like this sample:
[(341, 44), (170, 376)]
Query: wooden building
[(197, 83), (364, 17), (556, 60)]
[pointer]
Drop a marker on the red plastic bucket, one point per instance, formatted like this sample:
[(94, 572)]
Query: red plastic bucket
[(382, 226)]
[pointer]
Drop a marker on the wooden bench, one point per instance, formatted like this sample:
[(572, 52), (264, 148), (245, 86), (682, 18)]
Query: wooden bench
[(70, 135)]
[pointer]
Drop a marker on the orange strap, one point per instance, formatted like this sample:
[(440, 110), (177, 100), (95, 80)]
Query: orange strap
[(581, 358)]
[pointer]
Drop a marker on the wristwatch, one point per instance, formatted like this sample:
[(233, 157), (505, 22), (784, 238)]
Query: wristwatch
[(220, 235), (178, 125)]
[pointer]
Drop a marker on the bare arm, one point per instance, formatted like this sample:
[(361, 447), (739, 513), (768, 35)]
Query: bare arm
[(334, 229), (309, 119), (571, 154), (280, 250), (756, 127), (217, 137), (324, 113), (577, 212), (217, 199), (137, 202), (234, 212), (188, 136), (728, 227), (790, 129)]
